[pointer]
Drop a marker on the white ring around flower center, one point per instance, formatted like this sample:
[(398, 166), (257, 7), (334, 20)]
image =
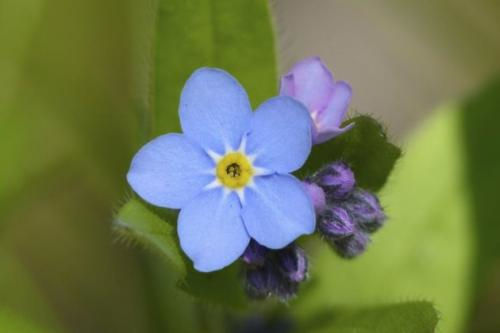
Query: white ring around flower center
[(244, 161)]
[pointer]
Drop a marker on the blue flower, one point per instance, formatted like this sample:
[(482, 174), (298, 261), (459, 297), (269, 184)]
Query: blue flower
[(229, 171)]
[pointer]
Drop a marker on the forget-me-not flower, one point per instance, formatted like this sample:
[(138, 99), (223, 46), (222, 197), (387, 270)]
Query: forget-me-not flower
[(310, 82), (229, 171)]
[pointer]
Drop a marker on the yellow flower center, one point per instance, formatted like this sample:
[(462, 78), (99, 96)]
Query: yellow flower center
[(234, 170)]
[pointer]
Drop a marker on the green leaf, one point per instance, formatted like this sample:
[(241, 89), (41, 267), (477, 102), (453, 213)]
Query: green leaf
[(233, 35), (135, 222), (410, 317), (480, 119), (172, 308), (365, 147)]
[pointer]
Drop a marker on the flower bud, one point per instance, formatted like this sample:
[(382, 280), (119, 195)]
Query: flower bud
[(351, 246), (292, 262), (335, 222), (286, 290), (336, 179), (264, 281), (255, 254), (258, 282), (317, 196), (364, 207), (327, 100)]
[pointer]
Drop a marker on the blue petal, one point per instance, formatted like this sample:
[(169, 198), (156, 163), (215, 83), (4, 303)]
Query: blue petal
[(277, 211), (211, 230), (169, 171), (280, 135), (214, 110)]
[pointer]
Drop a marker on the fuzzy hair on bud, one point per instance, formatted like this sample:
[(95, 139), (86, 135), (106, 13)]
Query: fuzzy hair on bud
[(336, 179), (351, 246), (365, 209), (335, 222), (293, 263)]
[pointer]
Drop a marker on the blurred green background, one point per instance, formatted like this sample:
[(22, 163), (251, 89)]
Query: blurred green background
[(83, 84)]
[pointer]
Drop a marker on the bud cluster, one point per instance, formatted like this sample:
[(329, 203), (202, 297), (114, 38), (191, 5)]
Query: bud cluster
[(274, 272), (347, 214)]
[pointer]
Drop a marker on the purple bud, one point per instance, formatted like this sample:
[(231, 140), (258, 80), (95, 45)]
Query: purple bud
[(351, 246), (336, 179), (286, 290), (336, 223), (316, 194), (255, 254), (365, 209), (267, 280), (292, 261), (258, 282)]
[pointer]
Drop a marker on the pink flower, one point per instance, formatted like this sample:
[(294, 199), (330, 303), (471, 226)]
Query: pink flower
[(310, 82)]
